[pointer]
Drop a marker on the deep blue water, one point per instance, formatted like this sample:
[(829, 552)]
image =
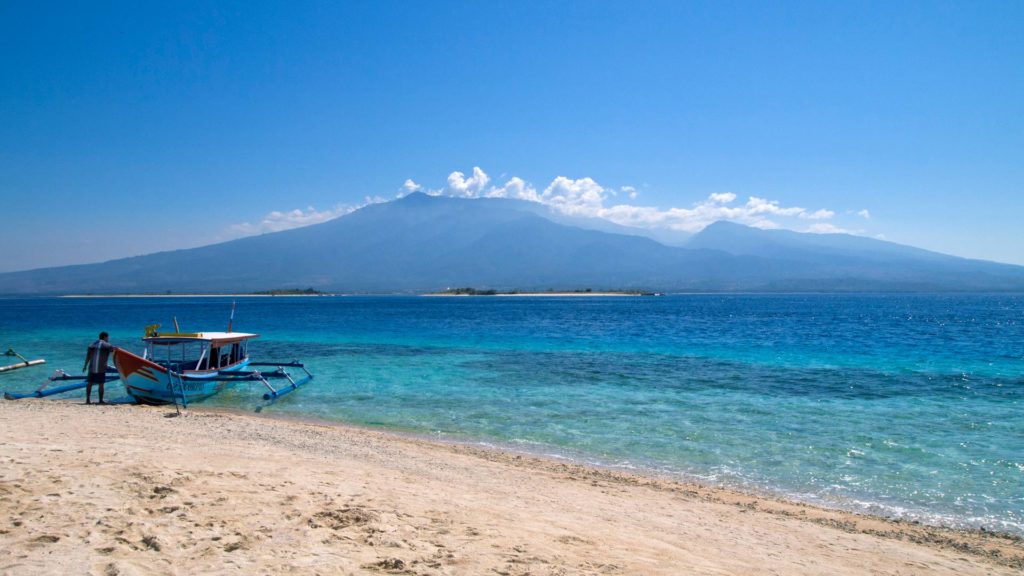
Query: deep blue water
[(902, 405)]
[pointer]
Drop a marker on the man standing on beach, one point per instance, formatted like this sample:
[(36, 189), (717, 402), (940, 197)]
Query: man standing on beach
[(96, 364)]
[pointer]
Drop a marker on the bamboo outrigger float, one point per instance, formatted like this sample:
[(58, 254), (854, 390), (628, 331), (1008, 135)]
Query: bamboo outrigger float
[(77, 383), (25, 362)]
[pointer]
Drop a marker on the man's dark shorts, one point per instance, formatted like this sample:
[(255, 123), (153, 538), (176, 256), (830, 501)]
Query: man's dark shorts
[(100, 378)]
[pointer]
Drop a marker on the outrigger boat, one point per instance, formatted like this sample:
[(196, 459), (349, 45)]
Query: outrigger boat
[(180, 368), (190, 367)]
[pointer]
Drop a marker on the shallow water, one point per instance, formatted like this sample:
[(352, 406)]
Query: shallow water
[(902, 405)]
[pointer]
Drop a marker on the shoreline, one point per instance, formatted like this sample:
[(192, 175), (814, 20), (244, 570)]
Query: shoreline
[(640, 471), (403, 294), (196, 295), (532, 295), (440, 295), (375, 499)]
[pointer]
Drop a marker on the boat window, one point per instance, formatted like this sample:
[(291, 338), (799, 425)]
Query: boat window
[(176, 354)]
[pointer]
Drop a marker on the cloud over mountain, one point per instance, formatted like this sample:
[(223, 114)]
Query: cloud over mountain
[(584, 197), (277, 221)]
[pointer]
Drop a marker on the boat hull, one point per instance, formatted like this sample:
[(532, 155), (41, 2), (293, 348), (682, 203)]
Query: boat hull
[(150, 383)]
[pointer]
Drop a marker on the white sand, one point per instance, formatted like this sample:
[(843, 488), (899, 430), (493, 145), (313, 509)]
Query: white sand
[(128, 490)]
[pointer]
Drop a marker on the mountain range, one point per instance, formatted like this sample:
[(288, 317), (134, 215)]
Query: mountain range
[(423, 243)]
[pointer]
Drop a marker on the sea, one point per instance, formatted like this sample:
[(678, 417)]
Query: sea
[(908, 406)]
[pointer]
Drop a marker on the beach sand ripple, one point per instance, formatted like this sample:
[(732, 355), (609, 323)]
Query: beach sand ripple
[(120, 490)]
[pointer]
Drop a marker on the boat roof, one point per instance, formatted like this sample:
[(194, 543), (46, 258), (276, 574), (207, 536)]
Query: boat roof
[(217, 337)]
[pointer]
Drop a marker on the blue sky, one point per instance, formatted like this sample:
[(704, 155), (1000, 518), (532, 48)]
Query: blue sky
[(127, 128)]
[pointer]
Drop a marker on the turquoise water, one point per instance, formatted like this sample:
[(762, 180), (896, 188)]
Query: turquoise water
[(907, 406)]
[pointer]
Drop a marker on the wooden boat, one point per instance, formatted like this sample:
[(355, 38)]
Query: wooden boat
[(180, 368), (190, 367)]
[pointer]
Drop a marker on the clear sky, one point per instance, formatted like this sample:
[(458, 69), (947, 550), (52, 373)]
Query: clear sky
[(127, 128)]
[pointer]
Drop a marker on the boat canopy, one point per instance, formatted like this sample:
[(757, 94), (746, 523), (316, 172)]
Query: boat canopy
[(217, 338), (181, 351)]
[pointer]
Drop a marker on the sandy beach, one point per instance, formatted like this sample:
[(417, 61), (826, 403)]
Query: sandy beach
[(239, 295), (132, 490), (536, 295)]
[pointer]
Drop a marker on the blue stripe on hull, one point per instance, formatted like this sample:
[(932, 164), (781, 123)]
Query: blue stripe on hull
[(151, 396), (197, 387)]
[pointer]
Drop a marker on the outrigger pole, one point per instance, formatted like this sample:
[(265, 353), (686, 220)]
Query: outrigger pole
[(79, 382), (25, 362), (292, 385), (264, 377)]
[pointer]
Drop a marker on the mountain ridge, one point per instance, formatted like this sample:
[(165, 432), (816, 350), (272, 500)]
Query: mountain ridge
[(423, 243)]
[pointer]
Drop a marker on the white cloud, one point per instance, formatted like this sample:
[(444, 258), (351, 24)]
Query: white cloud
[(515, 188), (409, 187), (470, 187), (818, 215), (757, 205), (582, 197), (585, 197), (578, 197), (718, 206), (826, 228), (276, 221)]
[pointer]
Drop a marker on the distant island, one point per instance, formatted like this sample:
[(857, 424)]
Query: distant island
[(169, 294), (549, 292)]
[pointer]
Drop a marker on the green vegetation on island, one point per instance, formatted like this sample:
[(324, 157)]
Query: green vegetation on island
[(291, 292), (468, 292)]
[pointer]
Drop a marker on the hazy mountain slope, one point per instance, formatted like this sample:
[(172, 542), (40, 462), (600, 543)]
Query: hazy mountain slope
[(660, 235), (743, 240), (416, 243), (423, 243), (857, 258)]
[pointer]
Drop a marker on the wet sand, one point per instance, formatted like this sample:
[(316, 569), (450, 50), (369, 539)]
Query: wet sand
[(132, 490)]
